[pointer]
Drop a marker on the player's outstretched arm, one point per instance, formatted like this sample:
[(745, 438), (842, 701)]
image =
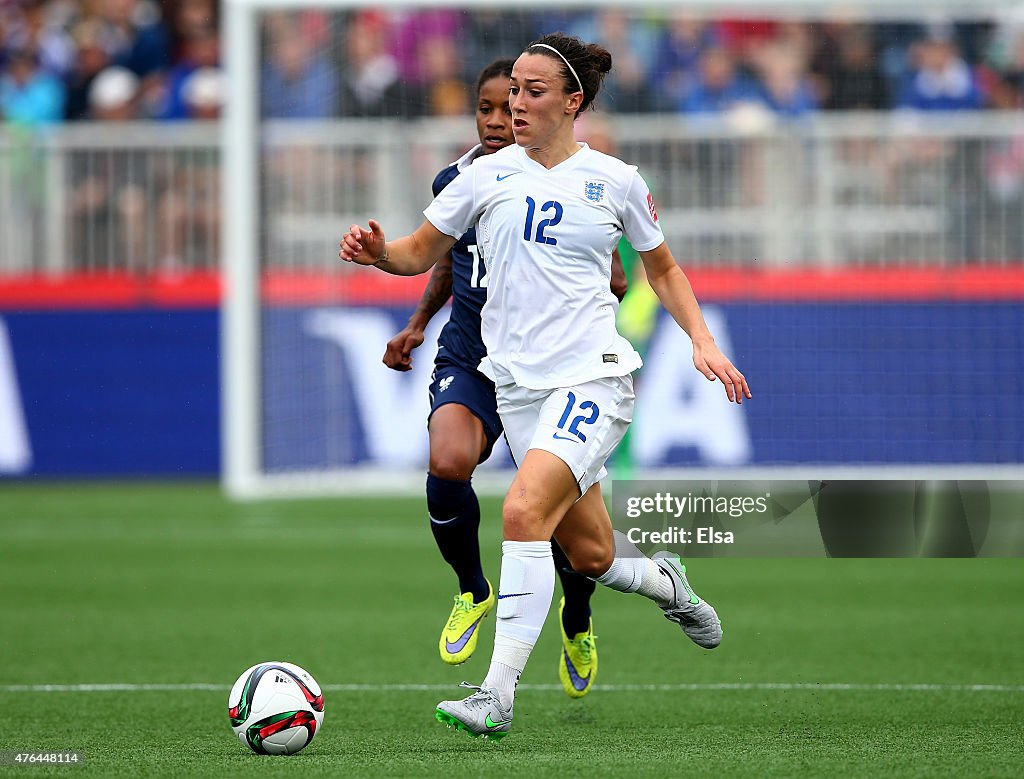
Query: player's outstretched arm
[(675, 293), (398, 354), (406, 256)]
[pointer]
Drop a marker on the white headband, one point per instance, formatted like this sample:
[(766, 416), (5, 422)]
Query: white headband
[(556, 51)]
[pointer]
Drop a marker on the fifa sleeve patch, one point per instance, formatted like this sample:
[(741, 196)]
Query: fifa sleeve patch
[(651, 208)]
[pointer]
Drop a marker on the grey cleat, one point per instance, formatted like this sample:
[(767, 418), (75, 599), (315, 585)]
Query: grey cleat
[(481, 714), (694, 615)]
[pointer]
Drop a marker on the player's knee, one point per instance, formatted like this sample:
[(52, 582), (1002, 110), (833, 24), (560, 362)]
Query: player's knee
[(453, 468), (452, 464), (519, 522), (591, 559)]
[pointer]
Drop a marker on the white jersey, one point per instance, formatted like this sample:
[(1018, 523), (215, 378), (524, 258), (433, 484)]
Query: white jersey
[(546, 238)]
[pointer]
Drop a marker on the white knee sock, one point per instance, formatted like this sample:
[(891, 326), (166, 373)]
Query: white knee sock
[(524, 598), (632, 571)]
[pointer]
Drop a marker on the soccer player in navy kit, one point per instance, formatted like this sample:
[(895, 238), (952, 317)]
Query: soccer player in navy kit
[(464, 423), (548, 212)]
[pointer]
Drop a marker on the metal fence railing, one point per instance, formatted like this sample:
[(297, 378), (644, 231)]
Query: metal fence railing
[(114, 196), (840, 189)]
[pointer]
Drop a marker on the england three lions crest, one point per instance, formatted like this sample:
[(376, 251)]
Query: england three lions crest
[(594, 190)]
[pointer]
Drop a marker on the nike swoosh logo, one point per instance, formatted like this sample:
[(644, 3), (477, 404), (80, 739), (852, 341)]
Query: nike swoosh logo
[(514, 595), (681, 569), (492, 724), (463, 639), (502, 178), (578, 682), (564, 437)]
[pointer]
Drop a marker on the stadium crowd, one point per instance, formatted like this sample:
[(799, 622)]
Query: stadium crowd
[(143, 59), (161, 61)]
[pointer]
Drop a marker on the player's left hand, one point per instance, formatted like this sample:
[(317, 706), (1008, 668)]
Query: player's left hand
[(709, 360), (398, 355)]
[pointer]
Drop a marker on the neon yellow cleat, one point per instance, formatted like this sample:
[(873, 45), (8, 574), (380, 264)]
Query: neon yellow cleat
[(460, 634), (577, 666)]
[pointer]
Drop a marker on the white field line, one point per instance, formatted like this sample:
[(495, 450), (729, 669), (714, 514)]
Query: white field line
[(713, 687)]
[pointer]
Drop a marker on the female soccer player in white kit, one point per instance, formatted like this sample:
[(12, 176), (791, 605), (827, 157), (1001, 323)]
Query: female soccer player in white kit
[(548, 213)]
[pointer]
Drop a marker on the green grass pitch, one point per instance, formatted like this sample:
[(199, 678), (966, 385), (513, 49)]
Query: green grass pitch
[(171, 585)]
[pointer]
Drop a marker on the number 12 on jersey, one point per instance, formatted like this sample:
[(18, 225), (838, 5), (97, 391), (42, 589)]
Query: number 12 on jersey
[(531, 208)]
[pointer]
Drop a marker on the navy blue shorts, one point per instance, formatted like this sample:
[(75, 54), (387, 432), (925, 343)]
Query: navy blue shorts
[(452, 383)]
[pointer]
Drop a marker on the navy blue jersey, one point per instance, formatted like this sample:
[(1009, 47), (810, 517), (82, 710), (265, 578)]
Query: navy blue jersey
[(460, 340)]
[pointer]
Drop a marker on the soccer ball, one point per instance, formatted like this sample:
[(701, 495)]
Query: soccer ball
[(276, 708)]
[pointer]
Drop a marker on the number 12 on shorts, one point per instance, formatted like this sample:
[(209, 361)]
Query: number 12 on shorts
[(589, 417)]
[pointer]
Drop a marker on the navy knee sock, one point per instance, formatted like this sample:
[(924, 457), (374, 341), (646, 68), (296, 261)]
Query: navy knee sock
[(454, 521), (577, 589)]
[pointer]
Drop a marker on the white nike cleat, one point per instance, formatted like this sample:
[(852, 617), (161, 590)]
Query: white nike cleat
[(694, 615), (481, 714)]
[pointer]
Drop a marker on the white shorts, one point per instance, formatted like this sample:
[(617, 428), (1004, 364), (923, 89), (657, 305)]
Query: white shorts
[(580, 425)]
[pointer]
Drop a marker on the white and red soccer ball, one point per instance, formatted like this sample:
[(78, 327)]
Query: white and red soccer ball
[(276, 708)]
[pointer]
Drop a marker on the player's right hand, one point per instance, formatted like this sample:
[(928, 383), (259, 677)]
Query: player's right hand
[(361, 246), (398, 355)]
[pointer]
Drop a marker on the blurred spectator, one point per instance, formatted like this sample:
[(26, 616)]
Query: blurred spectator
[(972, 37), (1006, 56), (28, 95), (490, 34), (370, 86), (742, 36), (449, 98), (135, 36), (188, 213), (893, 44), (201, 49), (721, 166), (854, 81), (204, 92), (300, 82), (189, 18), (674, 72), (944, 172), (114, 95), (787, 87), (627, 89), (297, 81), (109, 210), (596, 132), (92, 58), (719, 87), (798, 36), (416, 33), (37, 26), (440, 65), (942, 81)]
